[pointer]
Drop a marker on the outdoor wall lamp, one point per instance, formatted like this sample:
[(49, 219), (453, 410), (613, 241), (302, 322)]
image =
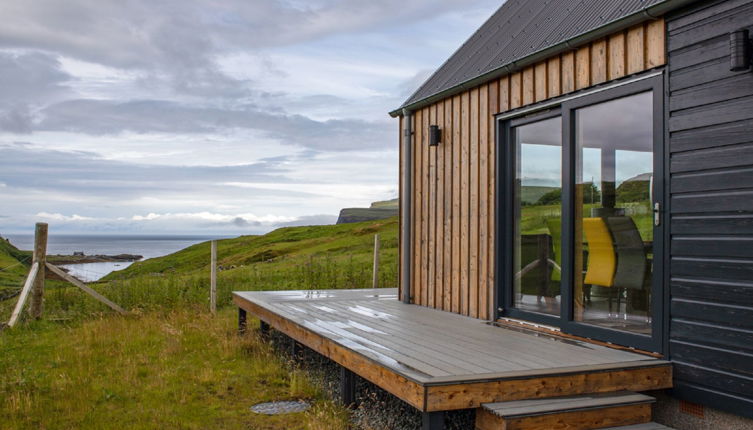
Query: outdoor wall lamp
[(435, 135), (740, 51)]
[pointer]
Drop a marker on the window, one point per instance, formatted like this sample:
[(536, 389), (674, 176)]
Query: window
[(580, 232), (538, 214)]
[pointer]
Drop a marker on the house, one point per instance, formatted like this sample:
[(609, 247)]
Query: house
[(578, 171)]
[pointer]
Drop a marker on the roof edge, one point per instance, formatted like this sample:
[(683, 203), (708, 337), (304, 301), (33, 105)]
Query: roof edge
[(645, 14)]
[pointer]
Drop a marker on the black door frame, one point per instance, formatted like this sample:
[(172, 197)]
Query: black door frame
[(505, 160)]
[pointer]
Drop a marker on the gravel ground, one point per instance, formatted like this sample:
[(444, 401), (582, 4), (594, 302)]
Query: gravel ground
[(377, 409)]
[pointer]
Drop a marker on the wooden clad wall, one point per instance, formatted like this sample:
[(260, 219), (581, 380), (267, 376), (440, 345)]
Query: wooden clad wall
[(453, 184), (711, 207)]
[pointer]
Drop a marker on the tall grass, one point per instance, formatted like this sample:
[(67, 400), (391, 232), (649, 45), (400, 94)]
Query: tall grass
[(172, 369)]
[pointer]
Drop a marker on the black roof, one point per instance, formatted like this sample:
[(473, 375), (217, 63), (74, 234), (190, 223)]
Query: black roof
[(521, 28)]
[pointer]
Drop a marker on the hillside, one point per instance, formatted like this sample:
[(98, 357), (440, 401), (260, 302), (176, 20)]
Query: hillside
[(14, 264), (170, 363), (531, 193), (278, 248)]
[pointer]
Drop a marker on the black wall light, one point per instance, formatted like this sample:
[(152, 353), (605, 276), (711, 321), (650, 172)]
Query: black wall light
[(739, 51), (435, 135)]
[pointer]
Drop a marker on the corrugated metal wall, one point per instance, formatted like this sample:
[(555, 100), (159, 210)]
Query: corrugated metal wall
[(453, 183)]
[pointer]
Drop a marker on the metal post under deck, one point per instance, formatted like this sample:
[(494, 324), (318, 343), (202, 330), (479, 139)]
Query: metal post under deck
[(263, 329), (241, 321), (432, 420), (347, 387)]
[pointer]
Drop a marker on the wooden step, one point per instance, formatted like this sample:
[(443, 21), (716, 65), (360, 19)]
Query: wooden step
[(585, 412), (646, 426)]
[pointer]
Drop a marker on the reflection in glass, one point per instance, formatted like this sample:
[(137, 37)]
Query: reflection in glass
[(613, 217), (537, 216)]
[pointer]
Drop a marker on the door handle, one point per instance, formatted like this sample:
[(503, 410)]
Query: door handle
[(657, 214)]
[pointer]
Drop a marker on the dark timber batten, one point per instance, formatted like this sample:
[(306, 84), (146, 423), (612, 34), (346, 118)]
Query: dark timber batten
[(438, 361), (710, 129)]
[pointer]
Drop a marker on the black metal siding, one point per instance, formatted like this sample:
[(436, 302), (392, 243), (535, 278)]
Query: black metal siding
[(521, 28), (711, 161)]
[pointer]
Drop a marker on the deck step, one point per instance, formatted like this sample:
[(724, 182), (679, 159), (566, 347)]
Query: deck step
[(646, 426), (586, 412)]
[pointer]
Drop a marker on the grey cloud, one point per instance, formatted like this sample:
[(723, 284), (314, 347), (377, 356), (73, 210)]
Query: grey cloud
[(31, 77), (15, 119), (97, 117), (182, 33), (27, 80), (86, 173), (182, 39)]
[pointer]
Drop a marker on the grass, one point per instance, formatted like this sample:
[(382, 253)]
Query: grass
[(175, 369), (14, 265), (169, 364), (316, 257)]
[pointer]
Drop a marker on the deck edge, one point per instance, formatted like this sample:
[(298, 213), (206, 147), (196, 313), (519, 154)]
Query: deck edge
[(410, 391)]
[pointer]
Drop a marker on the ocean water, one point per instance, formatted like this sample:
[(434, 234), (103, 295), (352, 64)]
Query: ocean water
[(147, 246)]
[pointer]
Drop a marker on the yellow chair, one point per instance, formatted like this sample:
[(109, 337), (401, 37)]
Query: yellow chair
[(601, 258)]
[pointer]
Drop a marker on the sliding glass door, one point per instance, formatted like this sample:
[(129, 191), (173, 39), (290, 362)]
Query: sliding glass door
[(614, 227), (537, 214), (580, 222)]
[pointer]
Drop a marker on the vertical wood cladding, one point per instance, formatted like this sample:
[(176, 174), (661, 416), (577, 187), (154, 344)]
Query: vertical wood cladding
[(711, 196), (453, 183)]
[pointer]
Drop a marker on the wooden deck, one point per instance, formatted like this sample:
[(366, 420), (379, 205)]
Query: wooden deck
[(438, 361)]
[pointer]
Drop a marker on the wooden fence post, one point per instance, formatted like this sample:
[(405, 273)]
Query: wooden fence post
[(24, 294), (40, 258), (375, 278), (213, 281)]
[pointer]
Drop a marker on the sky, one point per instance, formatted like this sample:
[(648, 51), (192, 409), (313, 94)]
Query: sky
[(206, 117)]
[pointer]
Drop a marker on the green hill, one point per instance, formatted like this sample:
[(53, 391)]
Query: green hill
[(14, 265), (280, 248), (310, 257), (531, 194)]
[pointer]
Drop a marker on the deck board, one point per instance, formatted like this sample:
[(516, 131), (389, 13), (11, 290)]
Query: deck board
[(433, 349)]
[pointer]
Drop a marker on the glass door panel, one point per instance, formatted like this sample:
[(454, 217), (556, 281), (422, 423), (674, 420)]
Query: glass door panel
[(613, 218), (537, 216)]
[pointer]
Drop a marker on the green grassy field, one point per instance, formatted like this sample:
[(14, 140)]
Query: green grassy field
[(316, 257), (14, 265), (179, 369), (169, 364)]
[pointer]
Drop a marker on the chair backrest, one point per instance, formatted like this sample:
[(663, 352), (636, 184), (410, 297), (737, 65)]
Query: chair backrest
[(601, 257), (631, 254)]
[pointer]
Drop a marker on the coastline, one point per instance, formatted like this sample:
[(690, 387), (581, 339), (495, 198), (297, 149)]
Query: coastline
[(85, 259)]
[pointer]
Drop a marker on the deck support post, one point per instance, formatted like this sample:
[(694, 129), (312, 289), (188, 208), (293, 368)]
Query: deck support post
[(347, 387), (241, 321), (296, 349), (432, 420), (263, 329)]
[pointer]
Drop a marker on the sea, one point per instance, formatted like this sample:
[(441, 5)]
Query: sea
[(146, 246)]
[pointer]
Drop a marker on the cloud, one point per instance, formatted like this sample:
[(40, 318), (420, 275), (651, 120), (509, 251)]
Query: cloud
[(311, 220), (213, 217), (61, 217), (208, 115), (178, 33), (99, 117), (28, 80), (81, 192), (31, 77), (181, 40)]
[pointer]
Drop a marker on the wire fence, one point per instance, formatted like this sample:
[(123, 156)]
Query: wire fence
[(21, 262)]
